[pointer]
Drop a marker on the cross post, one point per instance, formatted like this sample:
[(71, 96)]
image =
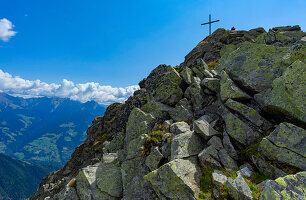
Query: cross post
[(210, 22)]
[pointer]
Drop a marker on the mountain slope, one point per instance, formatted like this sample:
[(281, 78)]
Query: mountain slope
[(44, 130), (231, 128), (18, 179)]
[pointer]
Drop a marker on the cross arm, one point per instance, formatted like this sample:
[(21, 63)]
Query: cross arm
[(210, 22)]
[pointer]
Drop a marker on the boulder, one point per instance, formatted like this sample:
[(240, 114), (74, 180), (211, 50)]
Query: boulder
[(226, 160), (185, 145), (182, 111), (157, 109), (288, 93), (290, 187), (68, 193), (212, 84), (255, 66), (267, 168), (99, 181), (153, 160), (179, 127), (228, 146), (286, 144), (138, 123), (166, 125), (195, 94), (134, 185), (136, 146), (239, 130), (228, 89), (186, 74), (215, 142), (204, 129), (238, 189), (178, 179), (248, 112), (163, 84), (218, 178), (246, 170), (209, 157)]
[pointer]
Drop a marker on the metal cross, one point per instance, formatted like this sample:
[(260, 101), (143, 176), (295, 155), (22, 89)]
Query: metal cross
[(210, 22)]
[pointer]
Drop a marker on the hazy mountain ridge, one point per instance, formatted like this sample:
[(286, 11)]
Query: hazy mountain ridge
[(44, 130)]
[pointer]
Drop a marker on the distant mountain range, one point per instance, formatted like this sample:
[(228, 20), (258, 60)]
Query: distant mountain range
[(19, 179), (44, 130)]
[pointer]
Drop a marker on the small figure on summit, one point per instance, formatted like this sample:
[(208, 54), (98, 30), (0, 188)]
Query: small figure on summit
[(233, 28)]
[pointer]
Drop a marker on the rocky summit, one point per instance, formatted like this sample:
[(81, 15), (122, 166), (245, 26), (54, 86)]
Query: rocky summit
[(227, 123)]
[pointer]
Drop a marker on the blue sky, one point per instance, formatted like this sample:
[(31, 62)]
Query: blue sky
[(119, 42)]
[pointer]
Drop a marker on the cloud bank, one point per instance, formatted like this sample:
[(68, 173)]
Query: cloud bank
[(66, 89), (6, 30)]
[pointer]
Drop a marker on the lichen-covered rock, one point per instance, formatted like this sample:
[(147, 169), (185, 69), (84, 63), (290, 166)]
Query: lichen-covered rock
[(134, 184), (198, 67), (204, 129), (218, 178), (179, 127), (136, 146), (153, 160), (139, 123), (185, 145), (228, 146), (163, 84), (226, 160), (267, 168), (90, 186), (238, 189), (248, 112), (255, 66), (228, 89), (246, 170), (68, 193), (288, 93), (286, 144), (178, 179), (157, 109), (109, 179), (290, 187), (216, 142), (195, 94), (212, 84), (239, 130), (186, 74), (182, 111), (209, 157)]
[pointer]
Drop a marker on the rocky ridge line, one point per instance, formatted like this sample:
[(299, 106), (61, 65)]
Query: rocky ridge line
[(229, 117)]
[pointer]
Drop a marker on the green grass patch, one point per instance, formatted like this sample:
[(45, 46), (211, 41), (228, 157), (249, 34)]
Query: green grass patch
[(206, 185), (155, 138)]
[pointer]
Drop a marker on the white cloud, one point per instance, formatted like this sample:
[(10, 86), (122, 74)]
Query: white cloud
[(6, 30), (66, 89)]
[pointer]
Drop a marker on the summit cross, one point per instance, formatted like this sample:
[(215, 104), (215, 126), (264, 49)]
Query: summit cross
[(210, 22)]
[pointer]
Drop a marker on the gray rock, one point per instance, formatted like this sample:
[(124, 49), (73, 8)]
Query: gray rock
[(216, 142), (291, 187), (68, 193), (138, 123), (166, 125), (185, 145), (228, 146), (226, 160), (266, 168), (179, 127), (246, 170), (157, 109), (212, 84), (163, 84), (153, 160), (218, 178), (286, 144), (228, 89), (182, 111), (208, 118), (187, 75), (209, 157), (110, 157), (238, 189), (204, 129), (178, 179)]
